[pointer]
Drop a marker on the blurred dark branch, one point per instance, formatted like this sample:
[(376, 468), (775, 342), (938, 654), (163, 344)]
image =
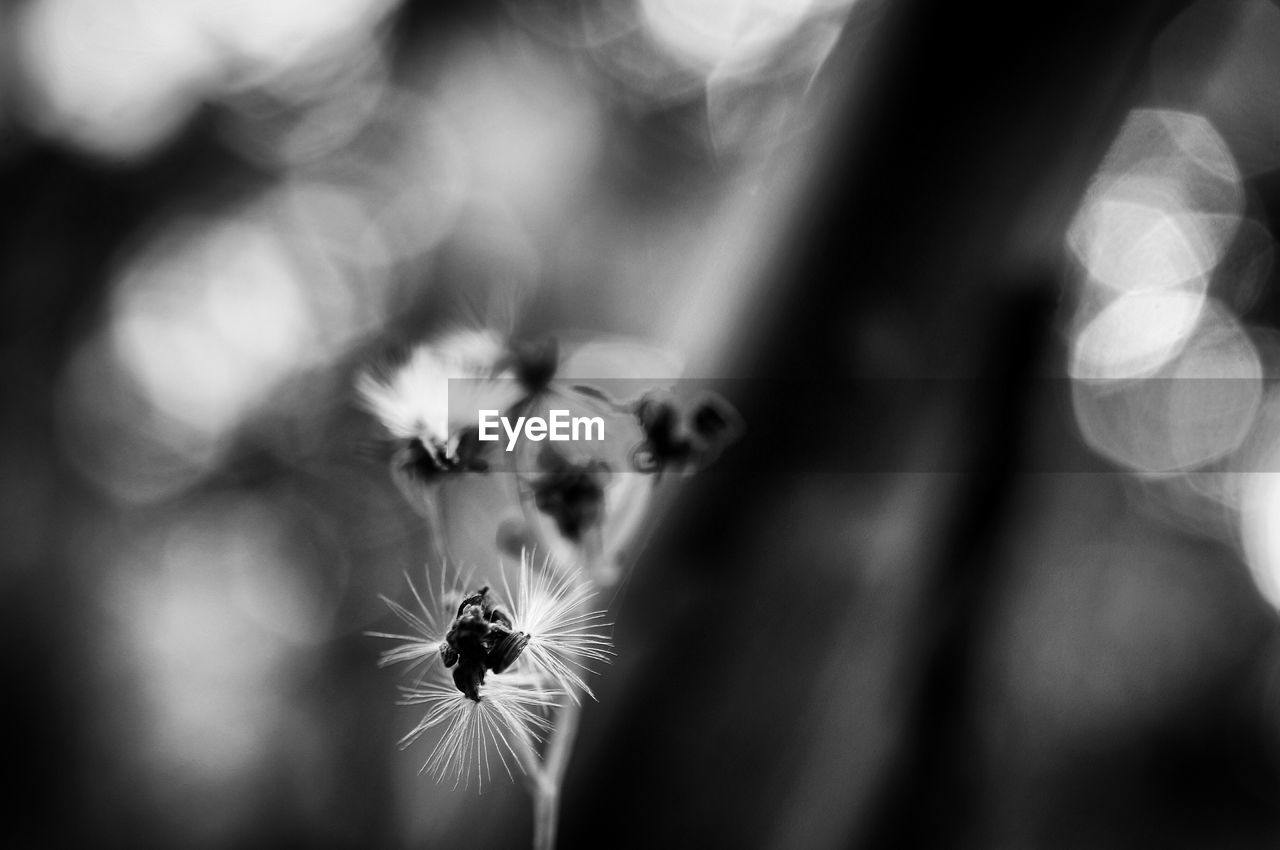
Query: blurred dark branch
[(968, 161), (929, 246)]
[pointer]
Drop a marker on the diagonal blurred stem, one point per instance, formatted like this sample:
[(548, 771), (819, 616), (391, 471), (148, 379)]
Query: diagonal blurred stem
[(545, 778), (1029, 96), (546, 816), (428, 501), (542, 792), (560, 746), (548, 778), (436, 520)]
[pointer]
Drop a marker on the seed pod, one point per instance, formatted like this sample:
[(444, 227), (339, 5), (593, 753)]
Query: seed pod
[(507, 651)]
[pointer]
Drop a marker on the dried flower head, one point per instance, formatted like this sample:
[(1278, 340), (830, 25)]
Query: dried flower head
[(537, 645), (480, 638)]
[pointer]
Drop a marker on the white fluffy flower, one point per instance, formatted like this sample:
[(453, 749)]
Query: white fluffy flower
[(412, 400)]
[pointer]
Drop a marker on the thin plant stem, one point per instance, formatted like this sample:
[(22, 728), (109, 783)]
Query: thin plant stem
[(592, 552), (546, 816), (436, 525), (428, 502), (560, 746), (544, 780), (544, 795), (529, 762)]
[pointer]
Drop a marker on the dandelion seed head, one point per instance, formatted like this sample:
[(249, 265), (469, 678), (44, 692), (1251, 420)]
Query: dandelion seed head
[(490, 666), (546, 632)]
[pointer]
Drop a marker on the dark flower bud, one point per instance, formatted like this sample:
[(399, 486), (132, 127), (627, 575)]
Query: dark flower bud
[(572, 494), (665, 444), (680, 434)]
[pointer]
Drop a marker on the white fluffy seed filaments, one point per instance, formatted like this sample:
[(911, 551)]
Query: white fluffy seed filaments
[(429, 624), (565, 636), (506, 722), (411, 401)]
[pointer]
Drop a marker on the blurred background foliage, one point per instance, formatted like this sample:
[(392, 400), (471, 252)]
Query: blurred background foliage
[(1053, 628)]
